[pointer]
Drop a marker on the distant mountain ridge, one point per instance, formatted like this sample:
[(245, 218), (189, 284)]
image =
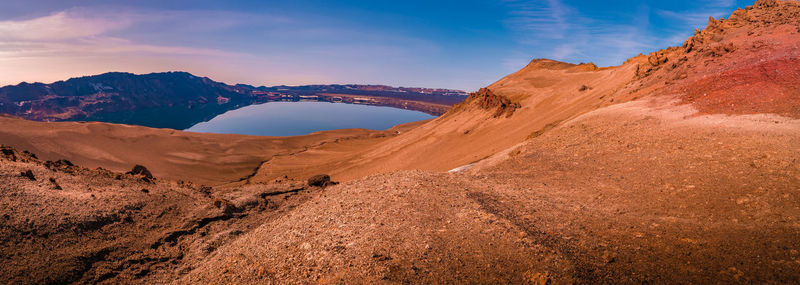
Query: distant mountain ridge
[(178, 100)]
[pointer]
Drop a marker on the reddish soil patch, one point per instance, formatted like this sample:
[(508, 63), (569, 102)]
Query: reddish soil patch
[(765, 87)]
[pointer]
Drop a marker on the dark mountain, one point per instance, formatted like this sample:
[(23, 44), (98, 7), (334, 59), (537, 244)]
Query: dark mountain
[(179, 100)]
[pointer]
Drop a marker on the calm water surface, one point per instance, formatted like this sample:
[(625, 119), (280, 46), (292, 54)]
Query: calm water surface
[(301, 118)]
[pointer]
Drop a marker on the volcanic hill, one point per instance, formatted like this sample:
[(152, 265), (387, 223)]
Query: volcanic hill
[(680, 166)]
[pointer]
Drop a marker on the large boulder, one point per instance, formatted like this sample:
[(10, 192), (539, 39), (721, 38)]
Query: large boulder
[(28, 174), (8, 153), (142, 172), (322, 180)]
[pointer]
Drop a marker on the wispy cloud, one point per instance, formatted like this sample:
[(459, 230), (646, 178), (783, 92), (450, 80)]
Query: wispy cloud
[(555, 30), (546, 19), (684, 22), (75, 34), (58, 26), (721, 3)]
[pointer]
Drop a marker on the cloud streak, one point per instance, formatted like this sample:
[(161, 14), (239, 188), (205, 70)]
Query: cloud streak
[(555, 30), (75, 34), (58, 26)]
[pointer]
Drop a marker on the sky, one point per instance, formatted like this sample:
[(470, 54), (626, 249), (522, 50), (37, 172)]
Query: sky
[(464, 44)]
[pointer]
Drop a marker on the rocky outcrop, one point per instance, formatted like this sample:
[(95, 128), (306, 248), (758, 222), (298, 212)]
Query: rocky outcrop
[(657, 58), (766, 3), (488, 100), (763, 13)]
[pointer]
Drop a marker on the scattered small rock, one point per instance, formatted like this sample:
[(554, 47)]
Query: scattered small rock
[(144, 190), (29, 154), (227, 207), (609, 257), (61, 164), (205, 189), (584, 88), (55, 184), (539, 278), (381, 257), (29, 174)]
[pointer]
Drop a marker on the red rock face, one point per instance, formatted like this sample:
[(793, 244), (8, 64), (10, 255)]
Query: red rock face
[(747, 64), (765, 87)]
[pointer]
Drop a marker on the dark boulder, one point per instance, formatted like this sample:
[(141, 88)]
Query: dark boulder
[(62, 165), (29, 154), (58, 164), (55, 184), (140, 170), (8, 153), (64, 162), (322, 180), (29, 174)]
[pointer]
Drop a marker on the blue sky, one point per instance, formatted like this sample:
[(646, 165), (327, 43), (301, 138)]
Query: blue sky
[(463, 44)]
